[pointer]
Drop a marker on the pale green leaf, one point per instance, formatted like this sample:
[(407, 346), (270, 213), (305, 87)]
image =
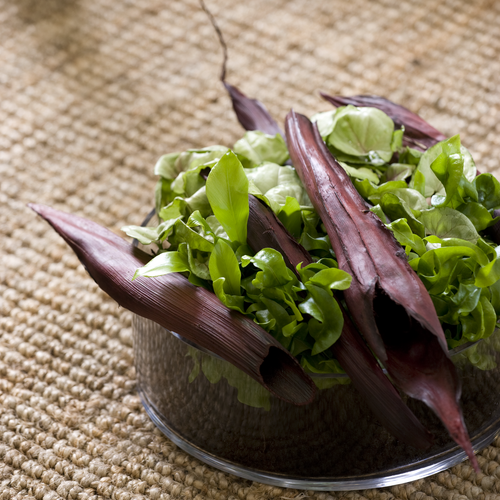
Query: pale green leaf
[(259, 147), (164, 263), (445, 222)]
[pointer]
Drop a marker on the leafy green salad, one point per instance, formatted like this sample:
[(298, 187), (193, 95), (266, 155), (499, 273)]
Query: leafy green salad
[(433, 201)]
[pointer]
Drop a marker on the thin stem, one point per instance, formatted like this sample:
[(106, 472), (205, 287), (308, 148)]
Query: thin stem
[(220, 36)]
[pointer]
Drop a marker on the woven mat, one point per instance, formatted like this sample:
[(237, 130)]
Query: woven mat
[(92, 93)]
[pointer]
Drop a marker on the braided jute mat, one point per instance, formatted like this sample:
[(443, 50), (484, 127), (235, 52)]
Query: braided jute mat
[(92, 92)]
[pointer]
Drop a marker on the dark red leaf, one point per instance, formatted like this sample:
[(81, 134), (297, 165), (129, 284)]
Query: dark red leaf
[(387, 300), (251, 113), (179, 306), (266, 231)]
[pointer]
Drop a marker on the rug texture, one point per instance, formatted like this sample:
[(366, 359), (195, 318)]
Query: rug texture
[(92, 92)]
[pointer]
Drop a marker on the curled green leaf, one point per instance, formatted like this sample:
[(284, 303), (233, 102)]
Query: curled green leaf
[(224, 264), (273, 271), (259, 147), (227, 192), (164, 263), (360, 131), (445, 222)]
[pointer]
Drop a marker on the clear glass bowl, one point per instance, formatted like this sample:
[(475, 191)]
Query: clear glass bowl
[(218, 414)]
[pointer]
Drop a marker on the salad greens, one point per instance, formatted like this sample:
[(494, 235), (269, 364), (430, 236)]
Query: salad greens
[(432, 201), (250, 392)]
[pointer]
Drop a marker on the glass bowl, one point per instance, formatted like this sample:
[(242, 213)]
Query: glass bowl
[(219, 415)]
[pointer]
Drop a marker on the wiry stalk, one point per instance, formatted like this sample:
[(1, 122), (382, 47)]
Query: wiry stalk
[(251, 113), (266, 231), (388, 302), (179, 306)]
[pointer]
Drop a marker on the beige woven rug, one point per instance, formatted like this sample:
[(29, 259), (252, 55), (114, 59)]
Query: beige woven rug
[(92, 92)]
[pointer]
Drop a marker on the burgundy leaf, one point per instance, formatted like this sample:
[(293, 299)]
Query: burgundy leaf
[(378, 392), (266, 231), (179, 306), (251, 113), (387, 300), (418, 133)]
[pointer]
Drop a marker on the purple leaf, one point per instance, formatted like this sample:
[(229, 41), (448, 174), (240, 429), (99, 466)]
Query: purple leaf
[(179, 306), (266, 231), (251, 113), (387, 300)]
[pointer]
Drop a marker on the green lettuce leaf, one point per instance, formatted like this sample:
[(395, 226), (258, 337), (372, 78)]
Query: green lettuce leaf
[(325, 122), (478, 215), (197, 220), (145, 235), (194, 158), (177, 208), (397, 208), (166, 166), (410, 156), (449, 169), (360, 172), (489, 274), (224, 264), (189, 182), (432, 184), (374, 193), (403, 233), (377, 210), (481, 323), (250, 392), (196, 241), (399, 171), (290, 216), (163, 263), (277, 183), (361, 131), (273, 271), (327, 319), (488, 190), (331, 278), (259, 147), (236, 302), (148, 235), (445, 222), (199, 201), (227, 192), (163, 193)]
